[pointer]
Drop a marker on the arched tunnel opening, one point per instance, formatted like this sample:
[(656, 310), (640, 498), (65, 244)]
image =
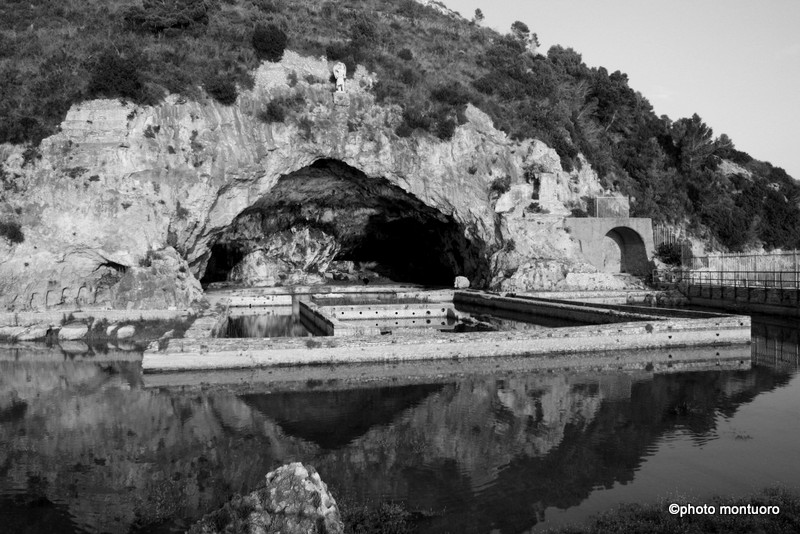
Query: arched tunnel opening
[(624, 252), (331, 222)]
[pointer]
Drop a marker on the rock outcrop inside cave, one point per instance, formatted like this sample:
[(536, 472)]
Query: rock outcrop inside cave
[(231, 197)]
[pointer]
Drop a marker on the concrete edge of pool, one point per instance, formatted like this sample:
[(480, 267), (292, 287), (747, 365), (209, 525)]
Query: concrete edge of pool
[(644, 363), (615, 328)]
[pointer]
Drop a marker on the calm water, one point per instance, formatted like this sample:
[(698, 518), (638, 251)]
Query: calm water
[(266, 326), (286, 322), (85, 447)]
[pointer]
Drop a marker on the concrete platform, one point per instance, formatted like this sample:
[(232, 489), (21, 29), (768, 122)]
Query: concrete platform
[(640, 364), (621, 296), (614, 329), (283, 296)]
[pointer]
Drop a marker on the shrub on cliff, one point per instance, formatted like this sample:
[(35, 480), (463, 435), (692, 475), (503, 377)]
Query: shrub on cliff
[(12, 232), (452, 93), (222, 89), (414, 117), (269, 42), (669, 253), (280, 107), (500, 185), (364, 32), (445, 128), (115, 76), (159, 15)]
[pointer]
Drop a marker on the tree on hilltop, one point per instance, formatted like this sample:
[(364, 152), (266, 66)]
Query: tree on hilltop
[(694, 141), (521, 31)]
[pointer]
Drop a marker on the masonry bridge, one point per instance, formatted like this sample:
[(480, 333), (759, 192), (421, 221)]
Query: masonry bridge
[(615, 244)]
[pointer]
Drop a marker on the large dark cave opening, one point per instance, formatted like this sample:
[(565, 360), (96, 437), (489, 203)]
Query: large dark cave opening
[(329, 221)]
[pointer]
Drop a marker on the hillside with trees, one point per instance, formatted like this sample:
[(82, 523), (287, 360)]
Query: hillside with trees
[(429, 62)]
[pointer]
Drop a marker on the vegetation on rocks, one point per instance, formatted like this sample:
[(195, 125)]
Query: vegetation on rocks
[(429, 63), (669, 253), (12, 232)]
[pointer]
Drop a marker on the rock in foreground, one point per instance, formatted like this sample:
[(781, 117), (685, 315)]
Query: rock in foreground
[(295, 500)]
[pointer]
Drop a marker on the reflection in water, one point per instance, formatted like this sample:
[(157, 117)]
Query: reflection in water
[(265, 326), (776, 343), (332, 419), (506, 320), (83, 445)]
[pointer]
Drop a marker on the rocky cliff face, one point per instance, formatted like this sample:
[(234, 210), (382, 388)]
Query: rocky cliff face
[(168, 195)]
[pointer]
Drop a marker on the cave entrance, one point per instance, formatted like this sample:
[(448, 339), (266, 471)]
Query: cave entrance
[(329, 222)]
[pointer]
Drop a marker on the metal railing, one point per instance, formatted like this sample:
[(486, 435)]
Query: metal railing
[(759, 279), (613, 207), (774, 262), (724, 278), (663, 234)]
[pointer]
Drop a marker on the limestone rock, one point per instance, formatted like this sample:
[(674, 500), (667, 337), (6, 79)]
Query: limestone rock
[(34, 333), (256, 269), (127, 203), (73, 331), (11, 332), (461, 282), (441, 8), (161, 280), (728, 168), (295, 500), (594, 281), (126, 332), (519, 196), (293, 256)]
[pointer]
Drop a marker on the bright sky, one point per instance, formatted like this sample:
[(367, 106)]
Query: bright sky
[(736, 63)]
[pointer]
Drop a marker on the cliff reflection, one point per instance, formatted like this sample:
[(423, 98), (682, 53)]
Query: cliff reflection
[(479, 453)]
